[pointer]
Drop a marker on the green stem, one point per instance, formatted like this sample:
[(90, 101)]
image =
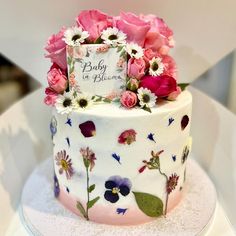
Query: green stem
[(167, 195), (87, 216)]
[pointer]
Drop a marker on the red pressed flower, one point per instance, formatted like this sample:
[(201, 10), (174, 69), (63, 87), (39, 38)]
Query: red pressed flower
[(172, 183), (127, 137), (88, 129)]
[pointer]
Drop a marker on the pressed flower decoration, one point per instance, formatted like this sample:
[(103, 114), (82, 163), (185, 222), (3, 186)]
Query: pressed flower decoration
[(88, 129), (53, 126), (144, 49), (64, 163), (89, 162), (185, 154), (184, 122), (127, 137), (116, 186), (56, 186)]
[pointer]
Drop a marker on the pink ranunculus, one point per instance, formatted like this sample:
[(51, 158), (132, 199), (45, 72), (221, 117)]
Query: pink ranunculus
[(136, 68), (160, 36), (161, 85), (128, 99), (172, 96), (170, 67), (94, 22), (51, 97), (57, 80), (56, 49), (134, 27)]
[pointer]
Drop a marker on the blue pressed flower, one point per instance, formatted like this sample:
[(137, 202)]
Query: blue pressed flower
[(170, 121), (116, 157), (174, 157), (53, 126), (151, 137), (88, 129), (56, 186), (116, 185), (69, 122), (121, 210), (68, 141)]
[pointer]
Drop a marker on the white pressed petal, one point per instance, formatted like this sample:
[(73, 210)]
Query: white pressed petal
[(160, 69)]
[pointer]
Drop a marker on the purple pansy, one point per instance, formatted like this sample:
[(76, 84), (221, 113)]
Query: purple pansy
[(56, 186), (88, 129), (116, 185), (184, 122)]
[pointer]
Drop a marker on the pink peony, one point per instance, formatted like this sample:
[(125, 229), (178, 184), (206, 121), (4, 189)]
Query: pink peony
[(128, 99), (172, 96), (51, 97), (94, 22), (135, 28), (57, 80), (56, 49), (136, 68), (127, 137), (162, 85), (160, 36)]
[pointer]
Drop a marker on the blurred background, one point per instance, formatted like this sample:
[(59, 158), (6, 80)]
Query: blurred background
[(219, 82)]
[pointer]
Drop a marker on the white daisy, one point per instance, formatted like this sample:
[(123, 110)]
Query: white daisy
[(64, 103), (146, 97), (82, 101), (113, 37), (74, 36), (134, 50), (156, 66)]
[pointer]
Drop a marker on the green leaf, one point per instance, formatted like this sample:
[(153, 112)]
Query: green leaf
[(98, 40), (69, 60), (107, 100), (145, 108), (91, 188), (81, 209), (149, 204), (183, 86), (92, 202), (119, 48)]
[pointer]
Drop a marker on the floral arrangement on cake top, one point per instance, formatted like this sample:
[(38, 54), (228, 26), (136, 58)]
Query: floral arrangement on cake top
[(143, 43)]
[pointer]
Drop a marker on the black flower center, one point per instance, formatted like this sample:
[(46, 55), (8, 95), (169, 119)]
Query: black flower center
[(146, 98), (155, 66), (113, 37), (83, 102), (67, 102), (134, 51), (76, 37)]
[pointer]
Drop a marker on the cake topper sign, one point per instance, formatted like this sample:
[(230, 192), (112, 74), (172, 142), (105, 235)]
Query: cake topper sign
[(97, 68)]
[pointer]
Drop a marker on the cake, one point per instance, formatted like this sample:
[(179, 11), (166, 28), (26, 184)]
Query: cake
[(120, 121)]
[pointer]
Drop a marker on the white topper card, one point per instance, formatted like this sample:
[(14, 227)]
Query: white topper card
[(97, 69)]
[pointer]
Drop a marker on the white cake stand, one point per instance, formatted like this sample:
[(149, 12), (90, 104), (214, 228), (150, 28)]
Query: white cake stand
[(43, 215)]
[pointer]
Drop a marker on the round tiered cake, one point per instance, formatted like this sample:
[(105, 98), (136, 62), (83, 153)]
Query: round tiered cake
[(120, 126)]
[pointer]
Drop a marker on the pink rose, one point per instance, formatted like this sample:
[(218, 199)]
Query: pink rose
[(134, 27), (172, 96), (51, 97), (128, 99), (57, 80), (160, 36), (56, 49), (149, 54), (162, 85), (136, 68), (94, 22)]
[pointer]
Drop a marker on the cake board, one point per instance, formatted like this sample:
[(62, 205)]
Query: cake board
[(42, 213)]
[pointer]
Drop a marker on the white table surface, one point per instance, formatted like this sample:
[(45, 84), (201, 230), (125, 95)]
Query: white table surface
[(25, 141)]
